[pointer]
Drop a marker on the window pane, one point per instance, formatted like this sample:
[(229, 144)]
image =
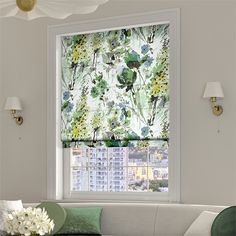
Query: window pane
[(158, 185), (158, 155), (98, 178), (79, 158), (79, 179), (119, 169), (117, 156), (117, 179), (137, 156), (97, 157), (138, 179)]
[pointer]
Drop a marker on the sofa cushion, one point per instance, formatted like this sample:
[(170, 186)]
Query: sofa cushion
[(202, 225), (225, 223), (80, 221), (56, 213)]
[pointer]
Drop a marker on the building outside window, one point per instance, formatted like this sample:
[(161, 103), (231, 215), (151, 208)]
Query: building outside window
[(120, 169)]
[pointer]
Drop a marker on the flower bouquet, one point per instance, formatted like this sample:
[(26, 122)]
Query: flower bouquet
[(28, 221)]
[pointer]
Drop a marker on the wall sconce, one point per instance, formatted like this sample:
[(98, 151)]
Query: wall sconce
[(213, 90), (13, 104)]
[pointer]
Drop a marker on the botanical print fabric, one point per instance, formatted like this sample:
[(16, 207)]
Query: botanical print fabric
[(115, 86)]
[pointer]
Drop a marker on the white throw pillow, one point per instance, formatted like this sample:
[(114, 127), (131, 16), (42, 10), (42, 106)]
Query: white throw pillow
[(202, 225), (7, 207)]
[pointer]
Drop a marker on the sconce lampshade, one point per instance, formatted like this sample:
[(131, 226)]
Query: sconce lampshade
[(213, 89), (13, 103)]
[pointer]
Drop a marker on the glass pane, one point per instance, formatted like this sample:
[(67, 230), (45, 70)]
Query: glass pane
[(117, 156), (79, 179), (138, 179), (117, 179), (118, 169), (98, 178), (158, 155), (137, 156), (158, 185), (97, 157), (79, 157), (161, 172)]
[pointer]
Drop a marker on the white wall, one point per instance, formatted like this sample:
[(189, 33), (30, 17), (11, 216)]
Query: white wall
[(208, 49), (1, 111)]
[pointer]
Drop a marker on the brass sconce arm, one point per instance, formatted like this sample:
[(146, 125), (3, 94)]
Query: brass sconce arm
[(216, 109), (18, 119)]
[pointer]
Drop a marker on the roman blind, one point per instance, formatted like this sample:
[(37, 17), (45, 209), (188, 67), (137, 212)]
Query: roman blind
[(115, 87)]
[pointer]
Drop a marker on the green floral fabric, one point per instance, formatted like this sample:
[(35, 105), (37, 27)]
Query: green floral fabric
[(115, 86), (82, 221)]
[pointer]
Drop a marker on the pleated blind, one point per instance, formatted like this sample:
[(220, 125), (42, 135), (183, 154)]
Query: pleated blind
[(115, 87)]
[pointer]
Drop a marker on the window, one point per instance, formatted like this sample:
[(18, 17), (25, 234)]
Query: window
[(118, 127), (120, 169)]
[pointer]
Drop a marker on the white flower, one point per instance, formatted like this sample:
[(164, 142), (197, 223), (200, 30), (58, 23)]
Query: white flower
[(28, 221)]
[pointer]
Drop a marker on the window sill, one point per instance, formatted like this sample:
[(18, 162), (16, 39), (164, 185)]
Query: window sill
[(109, 201), (99, 197)]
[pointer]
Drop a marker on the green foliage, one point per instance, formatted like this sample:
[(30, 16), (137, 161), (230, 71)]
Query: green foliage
[(115, 86), (133, 60), (99, 86), (127, 79), (154, 185)]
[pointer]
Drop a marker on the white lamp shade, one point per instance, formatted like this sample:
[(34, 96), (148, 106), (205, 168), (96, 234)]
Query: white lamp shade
[(13, 103), (213, 89)]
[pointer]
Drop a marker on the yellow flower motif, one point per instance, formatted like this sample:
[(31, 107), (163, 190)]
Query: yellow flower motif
[(161, 78), (159, 86), (75, 133), (155, 90), (96, 121), (75, 55), (78, 131), (79, 52), (96, 42), (163, 88), (143, 144)]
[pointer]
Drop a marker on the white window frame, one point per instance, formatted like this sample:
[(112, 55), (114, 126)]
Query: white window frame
[(57, 170)]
